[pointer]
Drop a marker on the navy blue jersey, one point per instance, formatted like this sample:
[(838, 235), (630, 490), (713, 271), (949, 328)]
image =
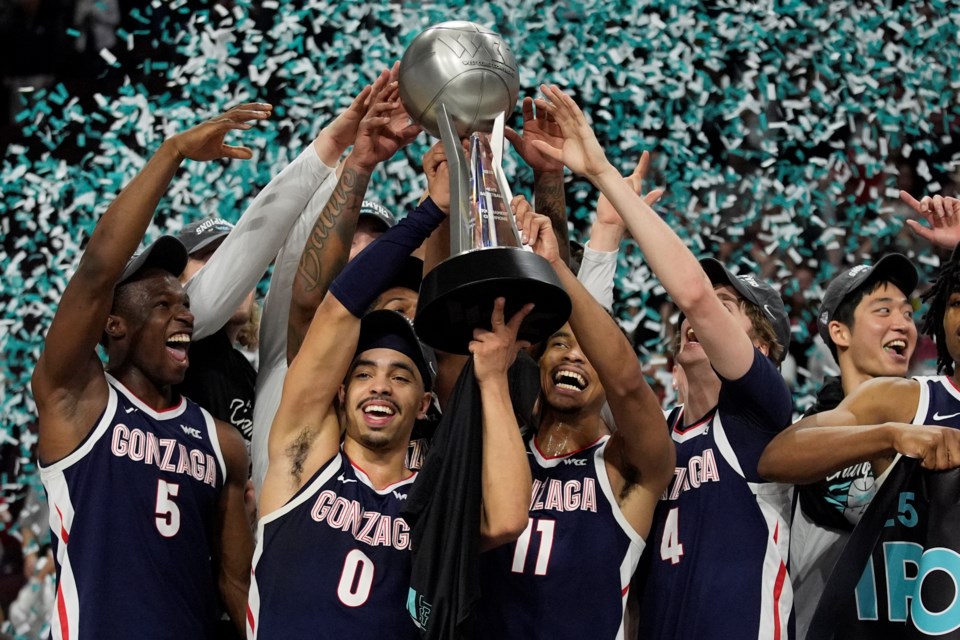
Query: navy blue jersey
[(939, 403), (133, 516), (568, 574), (334, 562), (720, 536)]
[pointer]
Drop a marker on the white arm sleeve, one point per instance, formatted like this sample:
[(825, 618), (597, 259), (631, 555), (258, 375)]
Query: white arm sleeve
[(238, 264), (597, 269), (273, 328)]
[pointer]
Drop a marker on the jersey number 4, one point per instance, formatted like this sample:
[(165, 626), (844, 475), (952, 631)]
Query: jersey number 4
[(670, 547), (545, 529)]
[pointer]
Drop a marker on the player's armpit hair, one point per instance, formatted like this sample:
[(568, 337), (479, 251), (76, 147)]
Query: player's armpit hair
[(297, 452)]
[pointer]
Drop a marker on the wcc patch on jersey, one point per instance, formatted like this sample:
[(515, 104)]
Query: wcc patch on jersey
[(899, 575)]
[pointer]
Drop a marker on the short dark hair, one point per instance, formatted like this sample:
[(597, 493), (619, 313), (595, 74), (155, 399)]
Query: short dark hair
[(947, 282), (848, 306)]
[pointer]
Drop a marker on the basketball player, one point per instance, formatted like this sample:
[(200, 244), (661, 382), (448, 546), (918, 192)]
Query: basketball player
[(145, 488), (594, 493), (719, 541), (333, 555)]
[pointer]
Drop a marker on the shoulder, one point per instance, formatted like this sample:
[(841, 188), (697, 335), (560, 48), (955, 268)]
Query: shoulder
[(885, 400), (234, 450)]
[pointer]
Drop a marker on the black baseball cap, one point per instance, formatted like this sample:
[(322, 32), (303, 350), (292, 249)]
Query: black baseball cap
[(390, 330), (199, 235), (893, 267), (378, 212), (166, 253), (756, 292)]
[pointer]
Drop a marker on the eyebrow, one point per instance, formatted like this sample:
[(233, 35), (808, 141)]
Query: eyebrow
[(561, 334), (889, 300), (396, 364)]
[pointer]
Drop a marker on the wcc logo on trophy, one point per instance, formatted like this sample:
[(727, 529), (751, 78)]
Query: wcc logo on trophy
[(459, 80)]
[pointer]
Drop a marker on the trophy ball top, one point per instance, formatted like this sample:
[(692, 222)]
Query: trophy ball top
[(464, 66)]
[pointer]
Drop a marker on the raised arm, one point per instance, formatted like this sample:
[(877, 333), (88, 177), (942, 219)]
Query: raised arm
[(640, 451), (942, 215), (548, 190), (728, 346), (68, 382), (381, 132), (871, 424), (505, 475)]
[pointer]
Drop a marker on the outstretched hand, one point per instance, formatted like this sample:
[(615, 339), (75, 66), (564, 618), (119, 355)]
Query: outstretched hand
[(206, 140), (495, 350), (536, 230), (607, 214), (538, 124), (580, 151), (342, 132), (941, 213), (384, 129)]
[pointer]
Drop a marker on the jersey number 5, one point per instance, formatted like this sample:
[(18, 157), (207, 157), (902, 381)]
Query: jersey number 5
[(167, 512), (670, 547), (545, 529)]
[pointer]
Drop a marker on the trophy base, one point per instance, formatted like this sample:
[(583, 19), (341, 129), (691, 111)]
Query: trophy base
[(458, 295)]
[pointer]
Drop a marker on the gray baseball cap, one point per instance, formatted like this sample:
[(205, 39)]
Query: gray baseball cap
[(199, 235), (378, 212), (893, 267)]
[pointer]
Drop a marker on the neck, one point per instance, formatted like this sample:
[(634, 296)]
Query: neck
[(383, 467), (702, 392), (851, 377), (157, 397), (563, 433)]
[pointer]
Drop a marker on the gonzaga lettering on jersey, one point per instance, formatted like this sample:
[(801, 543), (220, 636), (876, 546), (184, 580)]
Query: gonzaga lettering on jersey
[(568, 574), (133, 513), (334, 562), (716, 559)]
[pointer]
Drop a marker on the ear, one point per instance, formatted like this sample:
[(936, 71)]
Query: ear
[(839, 333), (424, 405), (341, 395), (115, 327), (763, 347)]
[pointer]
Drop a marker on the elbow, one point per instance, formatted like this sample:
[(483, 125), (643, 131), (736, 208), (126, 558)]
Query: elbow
[(774, 465), (505, 530), (693, 294)]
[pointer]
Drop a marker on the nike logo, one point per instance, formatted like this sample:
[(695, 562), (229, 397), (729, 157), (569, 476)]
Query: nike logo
[(130, 410), (340, 478), (937, 416)]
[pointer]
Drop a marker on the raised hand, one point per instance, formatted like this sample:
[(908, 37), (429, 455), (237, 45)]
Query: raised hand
[(536, 230), (205, 141), (437, 169), (941, 213), (384, 128), (341, 133), (607, 214), (538, 124), (495, 350), (581, 151)]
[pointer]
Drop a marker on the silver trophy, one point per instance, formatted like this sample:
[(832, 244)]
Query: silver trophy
[(459, 80)]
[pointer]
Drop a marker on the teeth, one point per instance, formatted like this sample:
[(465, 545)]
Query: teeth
[(570, 380), (691, 336), (379, 408), (179, 337), (896, 345)]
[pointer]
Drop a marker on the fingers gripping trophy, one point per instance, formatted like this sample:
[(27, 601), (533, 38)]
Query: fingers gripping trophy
[(459, 80)]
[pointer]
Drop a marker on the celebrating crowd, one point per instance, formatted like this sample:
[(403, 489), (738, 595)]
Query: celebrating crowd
[(193, 495)]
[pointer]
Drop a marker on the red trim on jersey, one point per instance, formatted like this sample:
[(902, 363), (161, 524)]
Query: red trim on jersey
[(678, 424), (564, 455), (62, 614), (778, 589), (63, 532), (250, 620), (950, 378), (386, 488), (623, 592)]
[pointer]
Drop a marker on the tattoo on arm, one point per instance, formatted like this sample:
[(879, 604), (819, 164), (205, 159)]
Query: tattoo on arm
[(549, 200), (317, 265)]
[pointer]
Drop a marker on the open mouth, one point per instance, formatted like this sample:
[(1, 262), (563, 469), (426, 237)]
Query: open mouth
[(378, 411), (177, 346), (899, 347), (692, 337), (569, 380)]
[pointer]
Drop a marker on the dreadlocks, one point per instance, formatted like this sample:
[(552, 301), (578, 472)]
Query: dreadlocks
[(947, 282)]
